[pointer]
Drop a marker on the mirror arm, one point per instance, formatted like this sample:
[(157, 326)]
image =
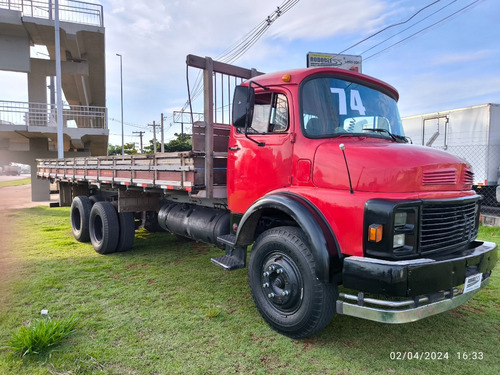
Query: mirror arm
[(260, 144)]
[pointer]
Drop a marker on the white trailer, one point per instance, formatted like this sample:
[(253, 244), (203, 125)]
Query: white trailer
[(472, 133)]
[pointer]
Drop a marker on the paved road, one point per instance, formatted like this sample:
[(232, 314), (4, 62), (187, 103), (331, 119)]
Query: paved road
[(10, 178)]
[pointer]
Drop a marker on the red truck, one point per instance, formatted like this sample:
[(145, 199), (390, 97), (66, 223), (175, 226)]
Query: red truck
[(316, 175)]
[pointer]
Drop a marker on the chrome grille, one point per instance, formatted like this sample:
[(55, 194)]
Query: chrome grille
[(445, 226)]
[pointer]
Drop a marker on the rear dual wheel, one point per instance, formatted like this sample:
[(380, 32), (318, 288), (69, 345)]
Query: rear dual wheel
[(126, 236), (79, 217), (104, 228), (98, 221), (111, 231)]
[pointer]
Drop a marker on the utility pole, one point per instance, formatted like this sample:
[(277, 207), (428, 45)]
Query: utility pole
[(60, 133), (121, 90), (162, 135), (141, 133), (154, 136)]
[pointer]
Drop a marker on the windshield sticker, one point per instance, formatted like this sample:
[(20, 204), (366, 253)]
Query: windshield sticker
[(355, 101)]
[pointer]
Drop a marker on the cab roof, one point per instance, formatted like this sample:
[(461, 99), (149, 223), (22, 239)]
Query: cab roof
[(299, 75)]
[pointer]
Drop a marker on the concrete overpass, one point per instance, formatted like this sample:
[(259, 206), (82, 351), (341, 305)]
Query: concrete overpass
[(28, 130)]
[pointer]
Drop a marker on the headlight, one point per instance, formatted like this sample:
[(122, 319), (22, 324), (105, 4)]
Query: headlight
[(399, 240), (398, 223), (404, 230), (400, 218)]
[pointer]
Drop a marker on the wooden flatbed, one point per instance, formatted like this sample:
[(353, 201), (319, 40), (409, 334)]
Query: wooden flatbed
[(172, 171)]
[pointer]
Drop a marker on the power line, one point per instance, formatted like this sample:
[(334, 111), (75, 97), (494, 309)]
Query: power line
[(245, 43), (390, 26), (409, 27), (239, 48), (254, 35), (424, 29), (129, 124)]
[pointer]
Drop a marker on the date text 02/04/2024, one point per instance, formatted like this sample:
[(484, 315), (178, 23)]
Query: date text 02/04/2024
[(435, 356)]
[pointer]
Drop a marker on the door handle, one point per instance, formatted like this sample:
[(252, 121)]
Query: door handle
[(233, 148)]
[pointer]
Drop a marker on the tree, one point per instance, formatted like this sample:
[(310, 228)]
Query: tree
[(117, 149), (181, 143)]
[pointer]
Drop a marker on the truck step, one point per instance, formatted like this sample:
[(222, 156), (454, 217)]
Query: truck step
[(228, 262), (227, 240), (236, 256)]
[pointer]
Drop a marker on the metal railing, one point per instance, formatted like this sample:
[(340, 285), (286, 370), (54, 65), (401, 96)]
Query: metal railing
[(69, 10), (42, 114)]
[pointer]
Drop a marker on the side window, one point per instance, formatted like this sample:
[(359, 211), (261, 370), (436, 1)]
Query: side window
[(270, 114), (279, 114)]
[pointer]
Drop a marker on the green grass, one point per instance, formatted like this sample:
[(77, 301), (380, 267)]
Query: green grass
[(162, 308), (23, 181), (40, 336)]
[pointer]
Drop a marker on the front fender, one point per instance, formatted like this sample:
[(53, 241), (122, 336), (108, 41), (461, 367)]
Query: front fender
[(322, 241)]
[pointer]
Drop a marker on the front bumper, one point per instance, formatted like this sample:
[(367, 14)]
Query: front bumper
[(429, 285)]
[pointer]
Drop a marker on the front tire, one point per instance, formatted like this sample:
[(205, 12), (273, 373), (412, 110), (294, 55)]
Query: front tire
[(284, 286), (104, 227)]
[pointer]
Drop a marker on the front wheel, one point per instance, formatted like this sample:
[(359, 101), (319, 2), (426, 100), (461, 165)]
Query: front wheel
[(284, 286)]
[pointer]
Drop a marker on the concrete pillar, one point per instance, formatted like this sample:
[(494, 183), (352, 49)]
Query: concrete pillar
[(40, 189), (37, 82), (14, 42)]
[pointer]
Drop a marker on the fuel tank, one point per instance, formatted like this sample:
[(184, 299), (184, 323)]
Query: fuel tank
[(195, 222)]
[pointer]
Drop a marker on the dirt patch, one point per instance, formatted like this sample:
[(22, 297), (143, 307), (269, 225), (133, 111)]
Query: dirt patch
[(16, 197), (11, 198)]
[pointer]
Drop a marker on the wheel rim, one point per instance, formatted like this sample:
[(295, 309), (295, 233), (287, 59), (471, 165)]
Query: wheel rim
[(76, 217), (98, 228), (281, 282)]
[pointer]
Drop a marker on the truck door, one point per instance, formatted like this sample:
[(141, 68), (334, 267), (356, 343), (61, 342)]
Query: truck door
[(261, 162)]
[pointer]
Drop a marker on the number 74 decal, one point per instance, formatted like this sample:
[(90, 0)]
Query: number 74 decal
[(355, 101)]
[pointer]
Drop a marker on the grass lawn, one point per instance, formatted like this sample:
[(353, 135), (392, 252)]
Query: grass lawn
[(163, 308), (23, 181)]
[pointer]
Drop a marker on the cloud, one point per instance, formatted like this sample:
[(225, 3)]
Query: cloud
[(463, 57), (427, 93), (155, 36), (314, 19)]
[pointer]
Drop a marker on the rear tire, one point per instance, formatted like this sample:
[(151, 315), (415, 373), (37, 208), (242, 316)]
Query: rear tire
[(104, 227), (79, 218), (284, 285), (127, 231)]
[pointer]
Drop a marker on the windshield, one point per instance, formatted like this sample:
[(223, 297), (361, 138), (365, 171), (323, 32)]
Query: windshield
[(332, 107)]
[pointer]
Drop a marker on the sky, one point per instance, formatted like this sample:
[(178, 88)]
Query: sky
[(451, 64)]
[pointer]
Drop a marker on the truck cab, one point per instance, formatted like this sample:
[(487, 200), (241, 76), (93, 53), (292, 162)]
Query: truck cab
[(323, 179)]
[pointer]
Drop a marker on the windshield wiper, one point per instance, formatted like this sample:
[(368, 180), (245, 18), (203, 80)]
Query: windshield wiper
[(393, 136)]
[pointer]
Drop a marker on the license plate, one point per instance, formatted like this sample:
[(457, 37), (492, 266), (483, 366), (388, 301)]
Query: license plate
[(472, 282)]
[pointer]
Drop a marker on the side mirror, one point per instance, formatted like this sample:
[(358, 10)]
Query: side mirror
[(243, 104)]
